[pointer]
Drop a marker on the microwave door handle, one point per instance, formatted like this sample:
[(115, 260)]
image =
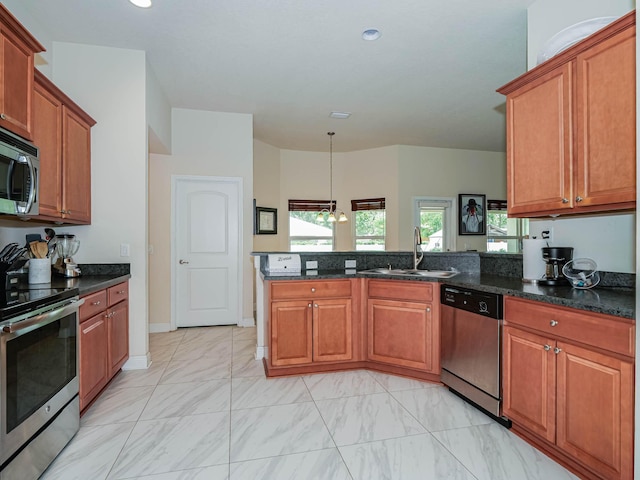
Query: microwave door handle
[(32, 189), (10, 177)]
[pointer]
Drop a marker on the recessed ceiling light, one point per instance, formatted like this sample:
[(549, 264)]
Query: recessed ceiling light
[(371, 34), (341, 115), (141, 3)]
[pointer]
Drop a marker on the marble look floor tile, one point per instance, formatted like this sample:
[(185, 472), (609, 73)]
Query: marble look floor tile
[(418, 457), (169, 445), (90, 454), (491, 452), (203, 348), (180, 399), (262, 392), (201, 370), (438, 409), (342, 384), (247, 366), (367, 418), (278, 430), (395, 383), (244, 347), (166, 338), (244, 333), (219, 472), (162, 353), (139, 378), (219, 333), (317, 465), (117, 405)]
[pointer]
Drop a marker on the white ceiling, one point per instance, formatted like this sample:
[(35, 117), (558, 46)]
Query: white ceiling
[(430, 79)]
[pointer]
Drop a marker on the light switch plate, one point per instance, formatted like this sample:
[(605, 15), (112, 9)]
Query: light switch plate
[(312, 264), (349, 264)]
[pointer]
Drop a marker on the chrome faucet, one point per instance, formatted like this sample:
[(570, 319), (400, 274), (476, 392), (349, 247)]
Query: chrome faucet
[(417, 241)]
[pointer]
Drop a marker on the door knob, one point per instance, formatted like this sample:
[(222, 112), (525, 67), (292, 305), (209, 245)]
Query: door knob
[(183, 262)]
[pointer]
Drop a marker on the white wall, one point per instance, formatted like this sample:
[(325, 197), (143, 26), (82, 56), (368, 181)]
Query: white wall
[(158, 115), (208, 144), (110, 87), (608, 239), (446, 172)]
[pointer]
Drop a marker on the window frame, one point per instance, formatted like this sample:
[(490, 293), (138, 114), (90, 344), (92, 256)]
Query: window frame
[(449, 221), (368, 204), (311, 206), (522, 230)]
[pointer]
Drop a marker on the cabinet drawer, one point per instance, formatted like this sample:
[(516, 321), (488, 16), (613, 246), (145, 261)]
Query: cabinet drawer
[(93, 304), (309, 289), (602, 331), (117, 293), (412, 291)]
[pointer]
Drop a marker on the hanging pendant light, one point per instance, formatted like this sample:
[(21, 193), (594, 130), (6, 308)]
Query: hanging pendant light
[(342, 218)]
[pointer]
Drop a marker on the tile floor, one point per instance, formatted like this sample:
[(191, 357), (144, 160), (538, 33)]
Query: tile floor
[(205, 411)]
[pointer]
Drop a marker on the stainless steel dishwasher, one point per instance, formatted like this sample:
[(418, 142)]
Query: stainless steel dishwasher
[(471, 332)]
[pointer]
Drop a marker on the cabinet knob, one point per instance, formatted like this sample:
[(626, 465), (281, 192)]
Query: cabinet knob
[(557, 350), (553, 323), (579, 198), (96, 303), (547, 347), (428, 309), (120, 292), (315, 305), (565, 200), (3, 116), (309, 305), (313, 290)]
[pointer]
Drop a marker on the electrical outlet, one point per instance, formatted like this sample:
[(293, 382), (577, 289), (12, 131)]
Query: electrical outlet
[(312, 264), (349, 264), (547, 234), (124, 249)]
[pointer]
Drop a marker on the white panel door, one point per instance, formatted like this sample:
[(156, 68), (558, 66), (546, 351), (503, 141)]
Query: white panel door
[(207, 239)]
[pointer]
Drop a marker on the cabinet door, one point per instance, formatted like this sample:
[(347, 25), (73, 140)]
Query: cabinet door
[(291, 333), (332, 330), (76, 155), (16, 84), (402, 333), (539, 145), (118, 336), (606, 123), (47, 135), (595, 410), (93, 358), (529, 381)]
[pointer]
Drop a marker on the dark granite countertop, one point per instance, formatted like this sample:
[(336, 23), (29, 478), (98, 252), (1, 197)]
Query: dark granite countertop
[(94, 277), (616, 301)]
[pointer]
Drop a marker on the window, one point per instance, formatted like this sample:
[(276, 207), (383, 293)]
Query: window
[(369, 225), (306, 232), (436, 218), (504, 234)]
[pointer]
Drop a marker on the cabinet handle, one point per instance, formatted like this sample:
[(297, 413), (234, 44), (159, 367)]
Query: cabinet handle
[(557, 350), (315, 305), (96, 303), (313, 290), (553, 323), (547, 347), (120, 292), (309, 305), (107, 315), (428, 309), (579, 198), (3, 116), (565, 200)]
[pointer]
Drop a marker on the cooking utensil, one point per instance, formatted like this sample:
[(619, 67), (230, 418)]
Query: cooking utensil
[(39, 249), (50, 232), (33, 237)]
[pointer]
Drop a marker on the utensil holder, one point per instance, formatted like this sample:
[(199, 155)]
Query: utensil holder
[(40, 270)]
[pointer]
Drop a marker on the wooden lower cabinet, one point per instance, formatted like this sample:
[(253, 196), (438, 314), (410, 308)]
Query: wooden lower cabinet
[(93, 358), (401, 333), (306, 331), (577, 398), (104, 339)]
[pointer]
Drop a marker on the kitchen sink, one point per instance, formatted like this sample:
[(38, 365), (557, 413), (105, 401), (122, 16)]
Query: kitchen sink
[(409, 272)]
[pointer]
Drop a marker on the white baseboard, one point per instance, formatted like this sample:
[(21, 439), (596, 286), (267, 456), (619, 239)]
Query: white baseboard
[(247, 322), (159, 327), (138, 362), (260, 352)]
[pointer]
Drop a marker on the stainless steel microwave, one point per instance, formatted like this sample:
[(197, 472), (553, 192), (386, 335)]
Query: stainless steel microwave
[(19, 175)]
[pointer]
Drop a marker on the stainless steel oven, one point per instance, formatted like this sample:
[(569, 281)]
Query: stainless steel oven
[(38, 387)]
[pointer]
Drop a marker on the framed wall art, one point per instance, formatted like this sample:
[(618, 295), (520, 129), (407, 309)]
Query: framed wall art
[(266, 221), (471, 213)]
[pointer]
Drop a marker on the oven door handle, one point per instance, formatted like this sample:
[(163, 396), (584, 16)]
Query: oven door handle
[(44, 318)]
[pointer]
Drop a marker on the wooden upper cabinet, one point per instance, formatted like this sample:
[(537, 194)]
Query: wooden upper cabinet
[(606, 133), (571, 128), (62, 130), (17, 50), (539, 144)]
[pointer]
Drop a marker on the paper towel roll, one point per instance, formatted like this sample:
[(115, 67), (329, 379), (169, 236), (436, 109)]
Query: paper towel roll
[(533, 266)]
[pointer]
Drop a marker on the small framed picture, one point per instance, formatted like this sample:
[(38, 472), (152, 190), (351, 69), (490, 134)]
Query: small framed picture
[(266, 221), (472, 208)]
